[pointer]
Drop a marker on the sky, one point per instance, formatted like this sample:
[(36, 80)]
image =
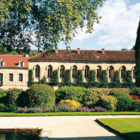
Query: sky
[(117, 28)]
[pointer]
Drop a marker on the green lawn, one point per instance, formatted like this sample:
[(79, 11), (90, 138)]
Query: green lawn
[(69, 114), (129, 127)]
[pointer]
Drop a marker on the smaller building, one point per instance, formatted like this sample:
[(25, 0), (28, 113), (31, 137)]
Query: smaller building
[(14, 71), (137, 56)]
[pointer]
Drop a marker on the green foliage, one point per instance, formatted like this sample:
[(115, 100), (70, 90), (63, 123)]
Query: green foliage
[(80, 77), (135, 91), (71, 103), (41, 95), (33, 53), (2, 107), (60, 19), (30, 79), (73, 93), (129, 79), (67, 77), (105, 79), (136, 105), (117, 78), (43, 81), (3, 93), (55, 79), (92, 75), (108, 102), (124, 100), (12, 96), (90, 98)]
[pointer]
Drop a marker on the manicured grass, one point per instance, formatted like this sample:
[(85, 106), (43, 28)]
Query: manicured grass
[(69, 114), (129, 127)]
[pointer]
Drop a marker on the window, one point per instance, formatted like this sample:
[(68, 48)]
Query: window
[(74, 72), (21, 77), (11, 77), (37, 71), (86, 71), (62, 71), (1, 64), (21, 63), (99, 72), (123, 72), (111, 72), (1, 79), (49, 71)]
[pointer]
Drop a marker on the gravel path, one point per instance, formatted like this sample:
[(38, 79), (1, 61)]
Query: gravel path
[(66, 127)]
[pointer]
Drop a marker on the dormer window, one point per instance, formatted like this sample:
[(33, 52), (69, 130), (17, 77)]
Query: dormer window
[(1, 63), (21, 63)]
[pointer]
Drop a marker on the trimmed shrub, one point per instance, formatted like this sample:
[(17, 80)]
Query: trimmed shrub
[(90, 98), (108, 102), (41, 95), (67, 77), (11, 98), (30, 81), (55, 79), (105, 79), (129, 79), (80, 77), (43, 81), (124, 100), (92, 75), (136, 105), (73, 93), (71, 103), (117, 79)]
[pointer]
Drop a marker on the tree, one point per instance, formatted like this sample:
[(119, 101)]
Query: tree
[(44, 23), (124, 49)]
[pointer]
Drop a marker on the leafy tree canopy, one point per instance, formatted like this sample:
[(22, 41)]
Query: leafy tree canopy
[(44, 23)]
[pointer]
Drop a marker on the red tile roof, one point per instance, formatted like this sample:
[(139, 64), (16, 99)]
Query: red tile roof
[(88, 55), (12, 61)]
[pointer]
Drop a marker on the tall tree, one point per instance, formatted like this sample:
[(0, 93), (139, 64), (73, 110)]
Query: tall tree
[(44, 23)]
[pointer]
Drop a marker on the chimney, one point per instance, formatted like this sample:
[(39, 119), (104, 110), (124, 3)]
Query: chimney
[(56, 50), (78, 50), (103, 51)]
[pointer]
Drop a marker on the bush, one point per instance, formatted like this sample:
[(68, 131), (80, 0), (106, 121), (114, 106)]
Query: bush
[(108, 102), (117, 79), (43, 81), (136, 105), (135, 91), (71, 103), (2, 107), (105, 79), (41, 95), (90, 98), (135, 97), (67, 77), (92, 75), (124, 100), (73, 93), (11, 98)]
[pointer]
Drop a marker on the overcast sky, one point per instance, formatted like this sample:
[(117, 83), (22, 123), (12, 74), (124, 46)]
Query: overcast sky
[(117, 28)]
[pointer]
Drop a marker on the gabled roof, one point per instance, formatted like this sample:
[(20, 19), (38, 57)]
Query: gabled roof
[(12, 61), (87, 55)]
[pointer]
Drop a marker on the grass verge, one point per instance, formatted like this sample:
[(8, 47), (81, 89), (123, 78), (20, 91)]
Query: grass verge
[(128, 127), (7, 114)]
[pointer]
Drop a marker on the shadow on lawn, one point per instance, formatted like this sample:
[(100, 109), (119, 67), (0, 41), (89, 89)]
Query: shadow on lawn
[(127, 136)]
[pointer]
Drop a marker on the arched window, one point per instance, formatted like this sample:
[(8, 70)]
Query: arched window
[(21, 77), (99, 72), (111, 72), (49, 71), (74, 72), (86, 71), (62, 71), (123, 72), (37, 71)]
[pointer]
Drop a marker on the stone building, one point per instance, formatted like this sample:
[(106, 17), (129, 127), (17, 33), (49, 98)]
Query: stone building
[(44, 64), (14, 71), (137, 56)]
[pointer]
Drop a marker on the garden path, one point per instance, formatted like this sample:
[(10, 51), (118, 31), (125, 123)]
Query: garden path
[(66, 127)]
